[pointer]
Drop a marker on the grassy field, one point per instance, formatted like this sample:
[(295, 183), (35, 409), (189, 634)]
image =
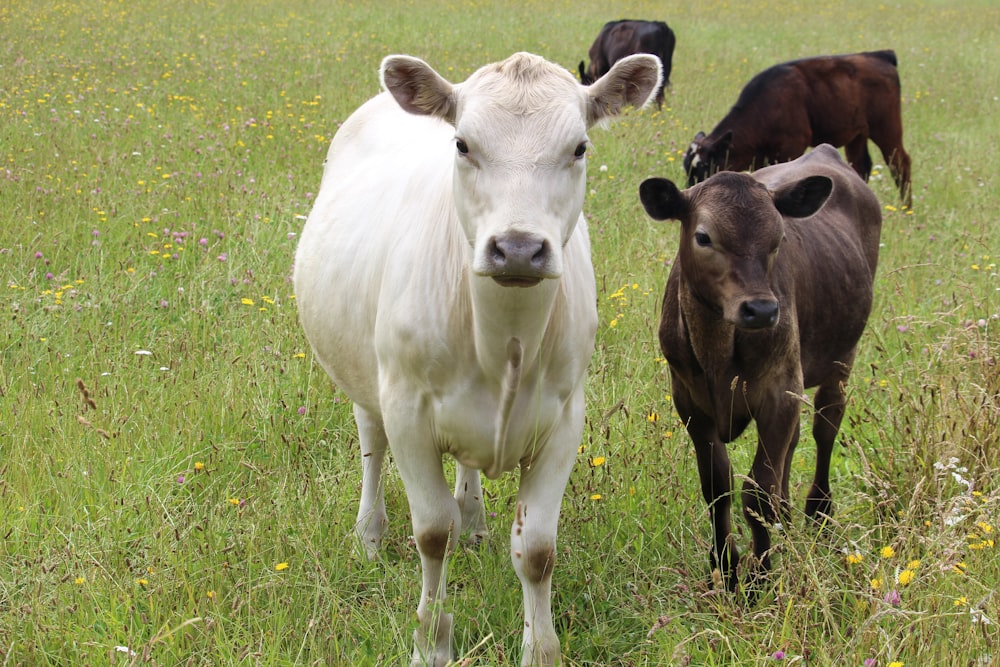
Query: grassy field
[(178, 479)]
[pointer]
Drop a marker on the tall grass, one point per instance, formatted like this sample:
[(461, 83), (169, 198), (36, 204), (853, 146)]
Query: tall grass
[(178, 479)]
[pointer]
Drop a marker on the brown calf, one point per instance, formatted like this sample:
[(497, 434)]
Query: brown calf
[(746, 328), (839, 100)]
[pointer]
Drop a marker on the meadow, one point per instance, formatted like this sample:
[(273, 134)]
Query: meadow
[(179, 479)]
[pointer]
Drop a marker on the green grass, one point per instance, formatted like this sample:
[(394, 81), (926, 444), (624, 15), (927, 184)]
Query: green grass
[(167, 443)]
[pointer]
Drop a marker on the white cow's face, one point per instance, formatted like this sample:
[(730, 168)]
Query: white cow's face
[(520, 151), (520, 177)]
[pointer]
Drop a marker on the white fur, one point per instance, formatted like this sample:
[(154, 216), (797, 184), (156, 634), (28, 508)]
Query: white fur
[(438, 358)]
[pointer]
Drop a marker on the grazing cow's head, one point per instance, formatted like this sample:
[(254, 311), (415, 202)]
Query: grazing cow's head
[(520, 150), (731, 229), (705, 157)]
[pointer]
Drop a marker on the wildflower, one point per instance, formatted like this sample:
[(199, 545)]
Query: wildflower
[(280, 567), (210, 595), (893, 598), (961, 601), (596, 496), (142, 582), (854, 558), (959, 567), (870, 662), (905, 577), (597, 461), (80, 580), (876, 584), (896, 663), (198, 465), (180, 479), (652, 417), (778, 655), (913, 565), (234, 501), (246, 302), (302, 410), (887, 552)]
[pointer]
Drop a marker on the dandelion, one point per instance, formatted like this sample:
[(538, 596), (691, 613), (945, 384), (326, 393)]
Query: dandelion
[(895, 663), (246, 302), (905, 577), (854, 558), (80, 580), (198, 465), (210, 595), (652, 417), (234, 501), (281, 567), (142, 582), (887, 552), (596, 496), (876, 584), (597, 461), (961, 601)]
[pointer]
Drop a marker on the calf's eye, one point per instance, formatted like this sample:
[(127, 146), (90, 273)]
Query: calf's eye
[(463, 148), (702, 239), (581, 150)]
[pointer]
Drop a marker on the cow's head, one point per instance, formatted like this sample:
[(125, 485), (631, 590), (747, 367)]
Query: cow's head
[(520, 149), (706, 156), (731, 229)]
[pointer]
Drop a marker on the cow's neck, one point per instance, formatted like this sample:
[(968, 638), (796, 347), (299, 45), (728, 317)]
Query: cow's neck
[(501, 314), (711, 337)]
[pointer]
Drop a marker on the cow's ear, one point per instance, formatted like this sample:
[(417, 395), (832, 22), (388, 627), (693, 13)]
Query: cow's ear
[(662, 200), (632, 81), (418, 88), (722, 145), (804, 197)]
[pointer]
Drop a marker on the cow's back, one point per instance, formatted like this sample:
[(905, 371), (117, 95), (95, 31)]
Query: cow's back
[(827, 261), (386, 191)]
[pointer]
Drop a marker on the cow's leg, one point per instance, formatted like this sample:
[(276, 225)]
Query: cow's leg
[(716, 475), (533, 537), (469, 494), (830, 403), (372, 520), (765, 492), (437, 522), (859, 157)]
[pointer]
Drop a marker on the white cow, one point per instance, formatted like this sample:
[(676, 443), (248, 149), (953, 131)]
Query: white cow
[(444, 281)]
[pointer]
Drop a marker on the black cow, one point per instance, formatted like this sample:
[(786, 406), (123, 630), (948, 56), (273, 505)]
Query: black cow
[(618, 39)]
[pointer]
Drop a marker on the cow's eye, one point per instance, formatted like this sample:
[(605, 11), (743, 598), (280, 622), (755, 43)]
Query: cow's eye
[(463, 148), (581, 150), (702, 239)]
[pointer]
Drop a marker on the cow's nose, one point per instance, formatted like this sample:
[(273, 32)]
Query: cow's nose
[(519, 255), (758, 313)]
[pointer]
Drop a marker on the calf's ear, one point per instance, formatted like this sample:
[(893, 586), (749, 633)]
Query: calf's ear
[(632, 81), (417, 88), (662, 200), (804, 197)]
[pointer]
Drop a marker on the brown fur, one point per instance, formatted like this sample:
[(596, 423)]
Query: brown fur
[(729, 362), (839, 100)]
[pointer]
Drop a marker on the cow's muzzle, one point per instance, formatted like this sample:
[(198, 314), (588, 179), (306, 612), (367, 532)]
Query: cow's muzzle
[(758, 313), (517, 260)]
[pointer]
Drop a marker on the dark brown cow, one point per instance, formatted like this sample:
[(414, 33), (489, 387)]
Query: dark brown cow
[(840, 100), (746, 328), (618, 39)]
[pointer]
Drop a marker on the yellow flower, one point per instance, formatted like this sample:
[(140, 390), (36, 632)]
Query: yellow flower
[(246, 302), (80, 580), (281, 566), (652, 417), (887, 552), (142, 582), (234, 501), (913, 565), (596, 496), (876, 584), (895, 663), (961, 602), (597, 461), (854, 559), (905, 577), (959, 567)]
